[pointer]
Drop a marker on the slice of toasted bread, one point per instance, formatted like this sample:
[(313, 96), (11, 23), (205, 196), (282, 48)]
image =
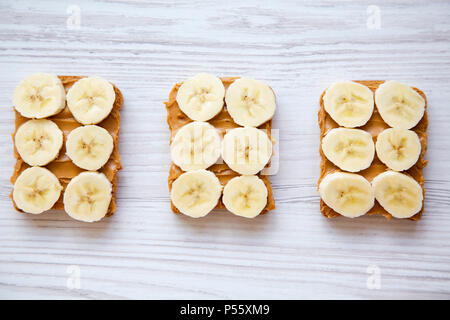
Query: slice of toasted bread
[(223, 121), (62, 166), (374, 126)]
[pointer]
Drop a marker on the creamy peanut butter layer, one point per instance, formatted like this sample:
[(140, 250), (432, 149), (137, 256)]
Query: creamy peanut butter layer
[(223, 121), (374, 126), (63, 168)]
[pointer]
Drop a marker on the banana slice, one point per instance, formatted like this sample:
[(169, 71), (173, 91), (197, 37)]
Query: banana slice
[(399, 149), (201, 97), (349, 194), (349, 149), (399, 105), (196, 146), (250, 102), (91, 100), (245, 196), (196, 193), (36, 190), (87, 196), (38, 141), (350, 104), (39, 95), (89, 147), (246, 150), (398, 194)]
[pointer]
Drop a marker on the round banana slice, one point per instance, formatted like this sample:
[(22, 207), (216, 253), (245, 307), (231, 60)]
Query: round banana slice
[(196, 146), (398, 194), (250, 102), (38, 141), (399, 149), (201, 97), (196, 193), (39, 95), (245, 196), (89, 147), (349, 149), (36, 190), (350, 104), (246, 150), (399, 105), (90, 100), (87, 196), (349, 194)]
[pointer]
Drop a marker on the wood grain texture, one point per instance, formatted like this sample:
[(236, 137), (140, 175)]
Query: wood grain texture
[(299, 48)]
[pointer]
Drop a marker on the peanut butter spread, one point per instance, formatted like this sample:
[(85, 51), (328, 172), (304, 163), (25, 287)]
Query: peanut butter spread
[(222, 121), (374, 126), (63, 168)]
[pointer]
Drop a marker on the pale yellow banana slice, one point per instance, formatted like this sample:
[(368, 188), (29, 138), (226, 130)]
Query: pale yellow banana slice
[(89, 147), (196, 193), (91, 100), (399, 149), (36, 190), (246, 150), (349, 149), (39, 95), (87, 196), (245, 196), (196, 145), (350, 104), (201, 97), (349, 194), (250, 102), (398, 194), (399, 105), (38, 141)]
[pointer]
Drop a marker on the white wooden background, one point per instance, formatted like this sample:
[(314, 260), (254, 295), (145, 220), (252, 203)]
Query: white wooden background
[(299, 48)]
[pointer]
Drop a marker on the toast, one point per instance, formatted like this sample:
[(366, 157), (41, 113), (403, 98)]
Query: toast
[(374, 126), (63, 168), (223, 121)]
